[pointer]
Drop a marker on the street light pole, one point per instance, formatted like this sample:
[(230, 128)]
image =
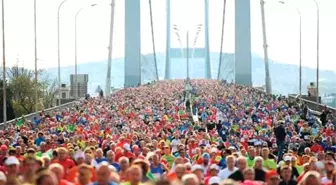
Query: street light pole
[(187, 55), (35, 52), (76, 83), (59, 52), (267, 75), (109, 62), (4, 103), (300, 46), (317, 51)]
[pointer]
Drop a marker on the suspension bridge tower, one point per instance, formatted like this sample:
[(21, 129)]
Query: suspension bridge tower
[(132, 43), (243, 66)]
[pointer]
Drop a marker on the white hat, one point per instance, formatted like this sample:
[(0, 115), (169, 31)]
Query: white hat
[(196, 167), (287, 158), (11, 161), (214, 167), (213, 150), (127, 147), (214, 180), (3, 177), (79, 154)]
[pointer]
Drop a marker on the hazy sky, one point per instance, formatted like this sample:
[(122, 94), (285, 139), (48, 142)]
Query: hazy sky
[(282, 23)]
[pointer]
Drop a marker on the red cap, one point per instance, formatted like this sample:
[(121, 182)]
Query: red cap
[(271, 173), (3, 148)]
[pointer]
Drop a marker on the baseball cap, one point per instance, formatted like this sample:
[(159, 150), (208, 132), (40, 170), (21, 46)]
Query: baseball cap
[(214, 167), (214, 180), (206, 156), (271, 174), (287, 158), (127, 147), (11, 161), (196, 167)]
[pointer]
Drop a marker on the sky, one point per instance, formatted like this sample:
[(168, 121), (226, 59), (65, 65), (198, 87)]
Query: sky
[(282, 25)]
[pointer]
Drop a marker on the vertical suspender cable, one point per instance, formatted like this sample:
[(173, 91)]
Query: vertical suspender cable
[(153, 40), (222, 39)]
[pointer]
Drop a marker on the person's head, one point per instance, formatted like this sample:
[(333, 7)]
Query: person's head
[(62, 153), (12, 166), (311, 177), (29, 166), (230, 161), (134, 174), (258, 162), (84, 173), (288, 160), (249, 174), (329, 166), (286, 173), (142, 164), (99, 153), (198, 171), (272, 178), (241, 163), (190, 179), (124, 163), (103, 173), (206, 158), (214, 181), (252, 152), (180, 170), (57, 170), (265, 153), (45, 178), (214, 169)]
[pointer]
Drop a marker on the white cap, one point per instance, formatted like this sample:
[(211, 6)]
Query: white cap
[(196, 167), (79, 154), (287, 158), (213, 150), (214, 180), (214, 167), (3, 177), (11, 161), (127, 147)]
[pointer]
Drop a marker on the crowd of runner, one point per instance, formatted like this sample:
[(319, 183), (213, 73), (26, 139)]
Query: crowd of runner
[(212, 134)]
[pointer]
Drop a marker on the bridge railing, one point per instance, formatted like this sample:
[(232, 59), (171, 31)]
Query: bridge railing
[(37, 114), (317, 107), (47, 111)]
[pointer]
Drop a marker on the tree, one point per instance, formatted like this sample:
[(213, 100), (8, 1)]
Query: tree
[(10, 110), (22, 82)]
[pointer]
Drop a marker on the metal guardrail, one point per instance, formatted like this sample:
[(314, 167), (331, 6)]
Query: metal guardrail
[(313, 105), (37, 114), (48, 111)]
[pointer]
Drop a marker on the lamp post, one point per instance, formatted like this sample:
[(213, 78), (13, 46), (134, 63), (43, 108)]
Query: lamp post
[(76, 83), (267, 75), (35, 53), (59, 52), (317, 51), (4, 103), (300, 46)]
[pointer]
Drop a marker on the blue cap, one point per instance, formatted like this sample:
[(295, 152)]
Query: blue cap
[(206, 156)]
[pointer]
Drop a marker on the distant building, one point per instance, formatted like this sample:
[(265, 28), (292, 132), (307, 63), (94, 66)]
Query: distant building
[(82, 84), (65, 95)]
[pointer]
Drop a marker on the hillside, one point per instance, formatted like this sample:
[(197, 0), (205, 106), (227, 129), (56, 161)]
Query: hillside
[(285, 77)]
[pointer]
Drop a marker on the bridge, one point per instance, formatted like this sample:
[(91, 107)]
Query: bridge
[(243, 72)]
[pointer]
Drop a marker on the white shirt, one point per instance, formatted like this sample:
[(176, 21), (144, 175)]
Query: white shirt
[(225, 173)]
